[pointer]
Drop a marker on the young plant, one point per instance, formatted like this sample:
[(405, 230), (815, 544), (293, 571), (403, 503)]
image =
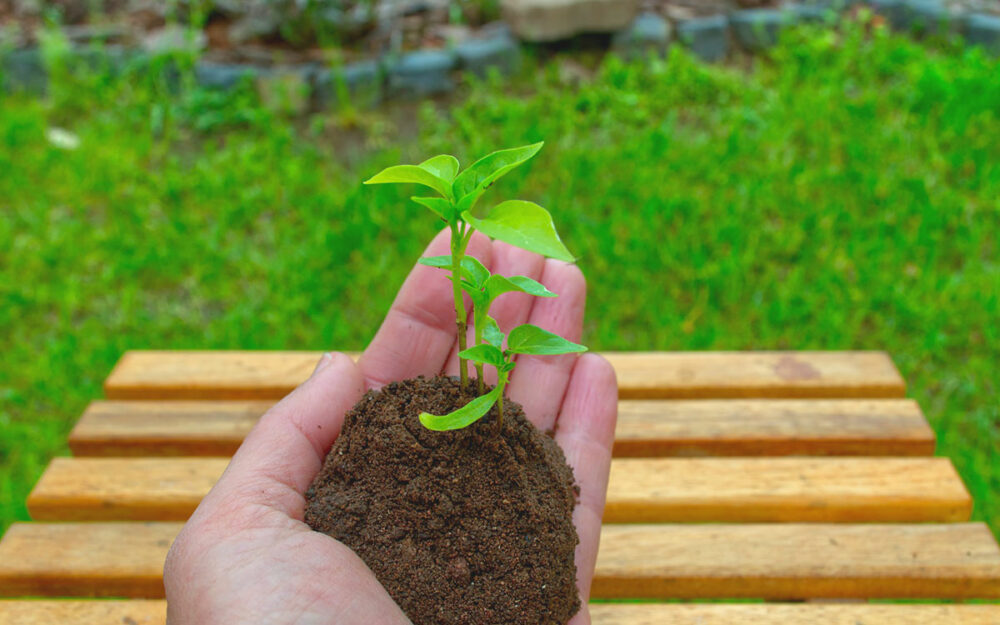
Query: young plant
[(524, 224), (524, 339), (482, 287)]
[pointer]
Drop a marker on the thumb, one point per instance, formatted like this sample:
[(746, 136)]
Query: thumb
[(285, 450)]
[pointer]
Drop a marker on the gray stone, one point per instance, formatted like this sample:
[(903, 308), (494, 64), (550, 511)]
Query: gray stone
[(24, 70), (346, 23), (421, 73), (707, 37), (894, 11), (261, 21), (759, 29), (359, 82), (551, 20), (87, 33), (814, 13), (926, 17), (835, 5), (649, 33), (174, 38), (499, 50), (224, 75), (983, 30)]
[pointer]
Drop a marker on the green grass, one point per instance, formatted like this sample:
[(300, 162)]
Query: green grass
[(844, 194)]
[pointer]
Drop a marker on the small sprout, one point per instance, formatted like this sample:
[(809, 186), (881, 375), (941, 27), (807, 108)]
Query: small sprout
[(483, 288), (523, 224), (524, 339)]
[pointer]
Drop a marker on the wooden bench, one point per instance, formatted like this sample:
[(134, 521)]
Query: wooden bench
[(783, 476)]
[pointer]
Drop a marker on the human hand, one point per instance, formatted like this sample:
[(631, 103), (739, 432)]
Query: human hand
[(246, 555)]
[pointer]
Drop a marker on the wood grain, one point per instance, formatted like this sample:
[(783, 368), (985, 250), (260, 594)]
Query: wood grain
[(84, 612), (158, 428), (778, 614), (646, 428), (154, 612), (85, 559), (794, 561), (640, 489), (785, 490), (664, 375), (771, 561), (772, 427)]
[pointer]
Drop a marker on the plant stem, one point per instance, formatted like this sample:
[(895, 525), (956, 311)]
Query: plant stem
[(478, 330), (500, 413), (458, 242)]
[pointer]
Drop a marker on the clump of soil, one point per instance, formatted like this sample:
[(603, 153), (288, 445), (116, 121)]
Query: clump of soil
[(468, 527)]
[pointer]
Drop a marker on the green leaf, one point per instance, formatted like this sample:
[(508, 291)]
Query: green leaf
[(530, 339), (441, 262), (474, 181), (414, 174), (498, 285), (486, 354), (477, 272), (473, 271), (444, 166), (523, 224), (464, 416), (440, 206), (492, 333)]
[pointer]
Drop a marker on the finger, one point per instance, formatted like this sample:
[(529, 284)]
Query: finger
[(582, 617), (285, 450), (538, 382), (419, 330), (585, 431), (510, 309)]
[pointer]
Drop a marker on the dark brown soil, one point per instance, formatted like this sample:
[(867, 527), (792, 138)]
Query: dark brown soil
[(468, 527)]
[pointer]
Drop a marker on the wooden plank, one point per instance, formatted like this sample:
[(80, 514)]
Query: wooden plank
[(783, 614), (664, 375), (154, 612), (85, 612), (85, 559), (772, 427), (785, 490), (795, 561), (646, 428), (770, 561), (640, 489), (158, 428)]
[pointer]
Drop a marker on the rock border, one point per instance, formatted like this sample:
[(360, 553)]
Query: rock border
[(427, 73)]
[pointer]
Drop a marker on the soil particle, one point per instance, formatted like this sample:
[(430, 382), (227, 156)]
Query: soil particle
[(468, 527)]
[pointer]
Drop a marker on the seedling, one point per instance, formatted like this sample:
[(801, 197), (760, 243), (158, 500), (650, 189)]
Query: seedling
[(482, 288), (523, 224), (524, 339)]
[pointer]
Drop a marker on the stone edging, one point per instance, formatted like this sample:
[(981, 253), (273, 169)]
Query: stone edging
[(425, 73)]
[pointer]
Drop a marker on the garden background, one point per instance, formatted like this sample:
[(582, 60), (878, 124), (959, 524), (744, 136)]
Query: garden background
[(840, 192)]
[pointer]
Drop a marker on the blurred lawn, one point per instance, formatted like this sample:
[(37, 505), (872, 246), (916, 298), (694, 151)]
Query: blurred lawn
[(843, 195)]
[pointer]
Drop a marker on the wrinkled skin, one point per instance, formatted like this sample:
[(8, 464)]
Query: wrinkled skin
[(246, 556)]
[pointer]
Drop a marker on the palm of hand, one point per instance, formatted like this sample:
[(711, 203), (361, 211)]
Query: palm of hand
[(246, 556)]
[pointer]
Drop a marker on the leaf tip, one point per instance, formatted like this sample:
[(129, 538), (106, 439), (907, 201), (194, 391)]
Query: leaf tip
[(428, 421)]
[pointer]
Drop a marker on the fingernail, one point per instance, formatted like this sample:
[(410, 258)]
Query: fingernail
[(323, 362)]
